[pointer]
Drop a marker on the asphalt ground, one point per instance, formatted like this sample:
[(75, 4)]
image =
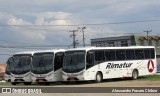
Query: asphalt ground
[(106, 83)]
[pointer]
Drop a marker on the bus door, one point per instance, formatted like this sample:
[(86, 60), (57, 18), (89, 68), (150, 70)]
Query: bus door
[(58, 62), (91, 67)]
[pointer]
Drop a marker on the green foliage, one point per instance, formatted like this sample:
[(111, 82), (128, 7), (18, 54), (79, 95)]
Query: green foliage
[(150, 77)]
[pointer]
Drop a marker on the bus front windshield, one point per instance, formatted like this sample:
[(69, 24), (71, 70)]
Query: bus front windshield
[(42, 63), (74, 61), (21, 64)]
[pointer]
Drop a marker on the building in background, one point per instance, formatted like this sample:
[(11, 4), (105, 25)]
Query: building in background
[(131, 40), (2, 70)]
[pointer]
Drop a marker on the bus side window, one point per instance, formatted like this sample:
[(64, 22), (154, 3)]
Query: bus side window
[(10, 60), (130, 55), (139, 54), (90, 58), (147, 53), (111, 55), (107, 55), (152, 53), (99, 56), (120, 54)]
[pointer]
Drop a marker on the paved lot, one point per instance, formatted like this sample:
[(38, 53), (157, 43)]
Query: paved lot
[(106, 83)]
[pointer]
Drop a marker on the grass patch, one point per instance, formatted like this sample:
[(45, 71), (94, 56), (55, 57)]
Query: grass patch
[(150, 77), (4, 83)]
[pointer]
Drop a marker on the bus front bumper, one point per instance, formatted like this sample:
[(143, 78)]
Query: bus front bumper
[(73, 76), (21, 78)]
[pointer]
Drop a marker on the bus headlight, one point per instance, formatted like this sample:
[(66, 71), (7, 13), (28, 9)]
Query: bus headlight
[(32, 75), (81, 73), (11, 75), (27, 75), (64, 74), (50, 74)]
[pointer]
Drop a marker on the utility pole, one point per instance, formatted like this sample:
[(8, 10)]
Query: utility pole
[(83, 35), (147, 35), (74, 37)]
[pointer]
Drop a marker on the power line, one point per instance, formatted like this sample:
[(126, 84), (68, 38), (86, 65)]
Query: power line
[(40, 47), (2, 49), (82, 28), (34, 47), (6, 54), (147, 35), (36, 28), (27, 44), (125, 22), (23, 43), (14, 42), (74, 38)]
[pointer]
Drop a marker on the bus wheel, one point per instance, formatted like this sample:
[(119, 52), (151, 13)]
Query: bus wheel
[(27, 83), (47, 83), (13, 83), (98, 77), (64, 82), (134, 74)]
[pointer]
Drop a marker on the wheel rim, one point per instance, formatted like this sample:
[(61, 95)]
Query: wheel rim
[(99, 78), (134, 74)]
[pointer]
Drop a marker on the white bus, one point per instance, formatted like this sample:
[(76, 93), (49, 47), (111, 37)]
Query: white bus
[(8, 69), (47, 66), (98, 63), (21, 68)]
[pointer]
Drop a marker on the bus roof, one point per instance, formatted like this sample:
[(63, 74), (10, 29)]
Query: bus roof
[(39, 51), (101, 48), (25, 52), (51, 50)]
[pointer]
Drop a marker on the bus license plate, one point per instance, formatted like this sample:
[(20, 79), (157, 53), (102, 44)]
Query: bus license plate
[(40, 81)]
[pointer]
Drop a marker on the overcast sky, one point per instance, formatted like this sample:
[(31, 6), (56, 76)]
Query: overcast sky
[(32, 13)]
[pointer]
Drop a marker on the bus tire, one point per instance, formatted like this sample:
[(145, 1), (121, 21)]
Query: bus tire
[(13, 83), (134, 74), (47, 83), (27, 83), (64, 82), (98, 77)]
